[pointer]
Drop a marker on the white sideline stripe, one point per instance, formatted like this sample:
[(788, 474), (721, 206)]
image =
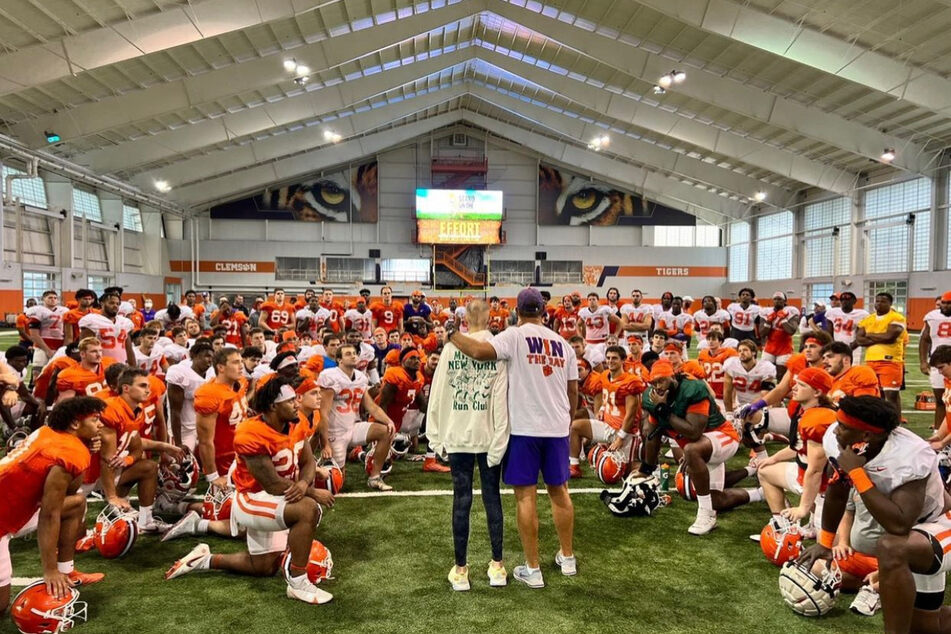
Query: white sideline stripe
[(24, 581)]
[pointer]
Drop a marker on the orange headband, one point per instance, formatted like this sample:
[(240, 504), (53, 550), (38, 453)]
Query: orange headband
[(306, 386), (412, 353), (857, 423)]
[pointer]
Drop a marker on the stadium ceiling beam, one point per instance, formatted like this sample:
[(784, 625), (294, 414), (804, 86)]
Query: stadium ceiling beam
[(726, 93), (193, 174), (629, 110), (133, 156), (175, 26), (635, 151), (653, 185), (201, 196), (263, 72), (810, 47)]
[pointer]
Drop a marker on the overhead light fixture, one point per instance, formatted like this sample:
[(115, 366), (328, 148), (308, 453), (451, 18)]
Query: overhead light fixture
[(599, 142), (659, 90), (888, 155), (301, 81), (679, 76), (162, 186), (290, 64), (302, 70), (52, 137), (332, 136), (673, 77), (759, 196)]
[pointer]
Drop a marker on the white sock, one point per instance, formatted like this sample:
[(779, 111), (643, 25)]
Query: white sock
[(202, 527), (430, 454), (750, 472), (573, 462), (531, 570), (705, 502), (298, 580), (762, 454), (145, 515), (756, 495), (64, 567)]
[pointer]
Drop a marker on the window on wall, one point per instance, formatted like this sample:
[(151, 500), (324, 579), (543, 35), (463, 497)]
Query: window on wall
[(890, 229), (100, 283), (827, 242), (702, 235), (86, 205), (897, 288), (131, 218), (402, 270), (350, 270), (35, 283), (739, 252), (34, 239), (512, 272), (707, 235), (298, 269), (30, 191), (818, 292), (560, 272), (774, 242)]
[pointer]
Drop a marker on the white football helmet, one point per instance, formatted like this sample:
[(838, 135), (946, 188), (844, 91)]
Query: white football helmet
[(807, 594)]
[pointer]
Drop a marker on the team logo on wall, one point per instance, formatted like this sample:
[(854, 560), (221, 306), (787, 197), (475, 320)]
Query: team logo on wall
[(565, 198), (331, 197)]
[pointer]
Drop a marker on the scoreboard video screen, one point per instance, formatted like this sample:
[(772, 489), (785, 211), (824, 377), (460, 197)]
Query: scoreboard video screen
[(458, 216)]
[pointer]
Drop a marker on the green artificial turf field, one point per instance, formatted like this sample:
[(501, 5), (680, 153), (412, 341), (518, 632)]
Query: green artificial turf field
[(392, 553)]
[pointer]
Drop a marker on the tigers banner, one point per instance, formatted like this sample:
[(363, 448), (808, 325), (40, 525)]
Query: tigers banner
[(565, 198), (330, 197)]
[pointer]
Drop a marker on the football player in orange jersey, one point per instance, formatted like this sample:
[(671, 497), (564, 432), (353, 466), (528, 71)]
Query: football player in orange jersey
[(498, 316), (848, 379), (777, 328), (712, 359), (388, 313), (567, 322), (88, 376), (44, 387), (277, 314), (23, 325), (633, 363), (275, 500), (618, 413), (85, 298), (39, 481), (233, 320), (336, 309), (193, 307), (220, 405), (589, 388)]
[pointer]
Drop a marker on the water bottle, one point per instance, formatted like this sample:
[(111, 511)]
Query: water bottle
[(665, 477)]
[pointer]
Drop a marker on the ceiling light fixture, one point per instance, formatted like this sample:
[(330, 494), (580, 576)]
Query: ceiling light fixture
[(673, 77), (301, 81), (888, 155), (759, 196), (679, 76), (290, 64), (303, 70), (599, 142), (162, 186), (332, 136), (52, 137), (659, 90)]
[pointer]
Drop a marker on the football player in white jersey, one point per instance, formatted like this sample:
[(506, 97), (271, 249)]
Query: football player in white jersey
[(312, 318), (746, 378), (842, 321), (365, 356), (46, 328), (360, 319), (343, 390), (637, 317), (677, 322), (666, 300), (728, 342), (111, 329), (710, 314), (936, 332), (599, 320), (900, 495), (743, 316), (183, 379), (148, 356)]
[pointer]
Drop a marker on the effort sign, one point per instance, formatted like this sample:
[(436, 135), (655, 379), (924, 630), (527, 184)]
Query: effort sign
[(458, 204)]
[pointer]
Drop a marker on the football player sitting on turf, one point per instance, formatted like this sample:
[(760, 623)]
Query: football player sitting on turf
[(275, 500)]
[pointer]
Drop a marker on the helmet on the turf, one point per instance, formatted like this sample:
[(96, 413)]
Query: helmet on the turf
[(610, 467), (400, 446), (217, 504), (319, 563), (17, 436), (594, 453), (115, 532), (780, 540), (640, 496), (335, 482), (684, 483), (36, 611), (806, 593), (179, 477)]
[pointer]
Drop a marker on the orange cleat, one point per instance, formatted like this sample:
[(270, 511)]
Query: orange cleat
[(574, 471), (85, 578), (87, 543), (431, 465)]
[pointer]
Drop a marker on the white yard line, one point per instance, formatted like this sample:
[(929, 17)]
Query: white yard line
[(24, 581)]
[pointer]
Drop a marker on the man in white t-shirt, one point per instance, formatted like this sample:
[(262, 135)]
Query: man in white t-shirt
[(843, 320), (936, 332), (543, 372), (183, 379)]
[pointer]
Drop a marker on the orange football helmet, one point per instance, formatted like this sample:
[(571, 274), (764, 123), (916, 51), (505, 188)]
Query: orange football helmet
[(319, 563), (178, 478), (595, 453), (610, 467), (780, 540), (36, 611), (335, 482), (217, 504), (115, 532), (684, 484)]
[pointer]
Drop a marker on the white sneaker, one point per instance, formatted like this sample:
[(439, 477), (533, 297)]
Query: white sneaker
[(307, 592), (188, 525), (867, 602), (498, 578), (569, 565), (195, 560), (706, 521), (378, 484), (459, 580), (756, 537), (533, 579), (155, 525)]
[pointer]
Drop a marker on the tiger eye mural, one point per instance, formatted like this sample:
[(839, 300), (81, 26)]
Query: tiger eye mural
[(570, 199), (330, 197)]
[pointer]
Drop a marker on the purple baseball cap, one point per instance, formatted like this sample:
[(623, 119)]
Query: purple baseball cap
[(530, 301)]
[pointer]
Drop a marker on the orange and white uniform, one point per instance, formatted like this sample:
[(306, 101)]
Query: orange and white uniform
[(673, 324), (614, 393), (388, 317), (150, 407), (278, 315), (254, 509), (42, 384), (886, 359), (345, 428), (499, 318), (744, 319), (748, 384), (234, 323), (49, 321), (587, 390), (597, 323), (813, 424), (151, 363), (844, 324), (230, 408), (353, 319), (859, 380), (568, 321), (316, 320), (779, 343), (796, 364), (336, 310), (713, 367), (126, 423), (111, 334), (407, 387), (939, 328), (82, 381), (719, 317)]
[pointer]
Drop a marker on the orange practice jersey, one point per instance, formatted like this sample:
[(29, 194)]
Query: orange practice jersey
[(336, 313), (254, 437), (71, 321), (568, 322), (614, 393), (859, 380), (278, 315), (499, 318), (389, 318), (150, 407), (82, 381), (42, 385), (407, 387), (229, 407), (234, 323), (126, 422), (713, 367)]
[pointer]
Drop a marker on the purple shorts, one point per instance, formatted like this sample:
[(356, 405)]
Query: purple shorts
[(527, 455)]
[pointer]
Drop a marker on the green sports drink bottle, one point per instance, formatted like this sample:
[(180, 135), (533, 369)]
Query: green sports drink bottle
[(664, 477)]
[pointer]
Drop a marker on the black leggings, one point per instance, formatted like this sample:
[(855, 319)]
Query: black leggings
[(463, 467)]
